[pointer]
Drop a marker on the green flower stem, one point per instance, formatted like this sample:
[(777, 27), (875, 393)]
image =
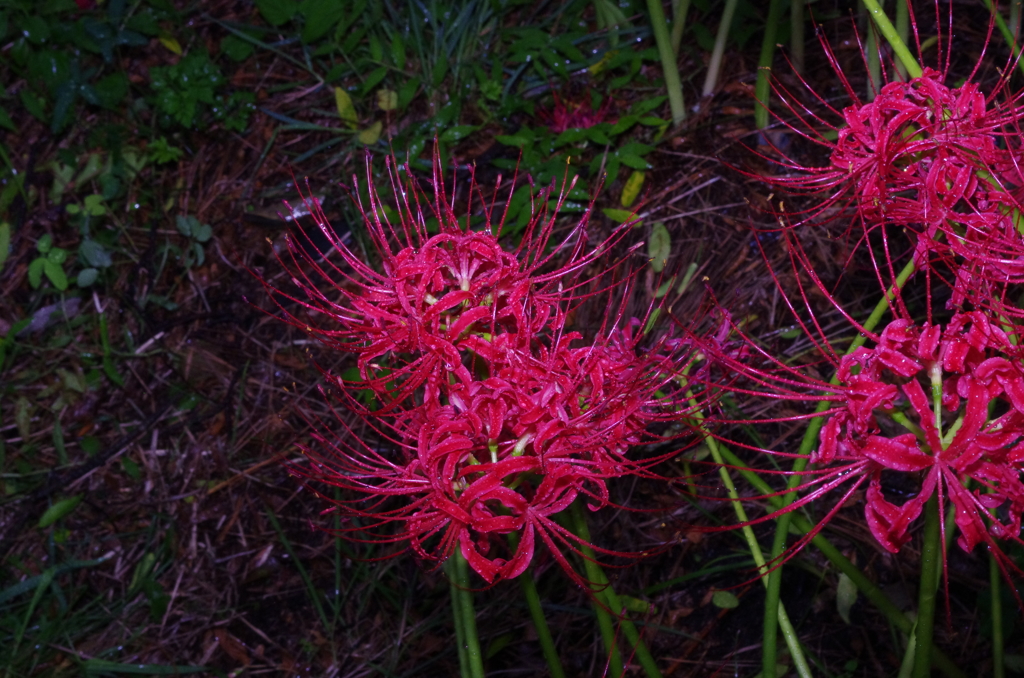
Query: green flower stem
[(892, 36), (931, 561), (803, 669), (715, 65), (806, 447), (679, 11), (460, 633), (871, 591), (606, 596), (462, 603), (669, 66), (763, 88), (796, 35), (1008, 33), (902, 30), (547, 643)]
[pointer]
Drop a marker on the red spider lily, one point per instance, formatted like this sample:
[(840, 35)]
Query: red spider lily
[(956, 391), (568, 114), (494, 417), (936, 161), (410, 323)]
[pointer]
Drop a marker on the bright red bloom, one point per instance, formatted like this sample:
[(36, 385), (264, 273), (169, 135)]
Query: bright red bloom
[(493, 416), (957, 394), (928, 159)]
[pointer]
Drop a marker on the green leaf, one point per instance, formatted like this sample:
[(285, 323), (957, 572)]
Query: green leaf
[(94, 254), (620, 216), (277, 12), (90, 445), (846, 596), (659, 247), (726, 600), (6, 122), (321, 16), (518, 140), (57, 255), (387, 99), (632, 188), (371, 134), (457, 133), (5, 242), (112, 89), (35, 273), (203, 233), (87, 276), (59, 510), (236, 48), (44, 243), (634, 161), (35, 105), (373, 79), (346, 110), (55, 272)]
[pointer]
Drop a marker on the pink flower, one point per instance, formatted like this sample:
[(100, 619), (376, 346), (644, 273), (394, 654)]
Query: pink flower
[(493, 416)]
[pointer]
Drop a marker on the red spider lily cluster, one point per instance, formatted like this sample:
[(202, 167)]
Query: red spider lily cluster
[(926, 408), (489, 416), (569, 114)]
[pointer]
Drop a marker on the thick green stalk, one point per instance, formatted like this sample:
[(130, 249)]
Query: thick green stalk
[(669, 67), (471, 641), (931, 559), (715, 65), (872, 592), (679, 11), (903, 31), (547, 643), (605, 594), (806, 447), (796, 35), (460, 633), (892, 36), (763, 88), (803, 669), (874, 65)]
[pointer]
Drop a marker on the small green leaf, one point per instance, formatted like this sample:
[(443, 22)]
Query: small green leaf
[(371, 134), (87, 276), (35, 273), (45, 243), (131, 468), (620, 216), (726, 600), (846, 596), (346, 110), (457, 133), (277, 12), (5, 242), (659, 247), (94, 254), (203, 233), (59, 510), (632, 188), (55, 272), (57, 255), (634, 161), (387, 99), (636, 605)]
